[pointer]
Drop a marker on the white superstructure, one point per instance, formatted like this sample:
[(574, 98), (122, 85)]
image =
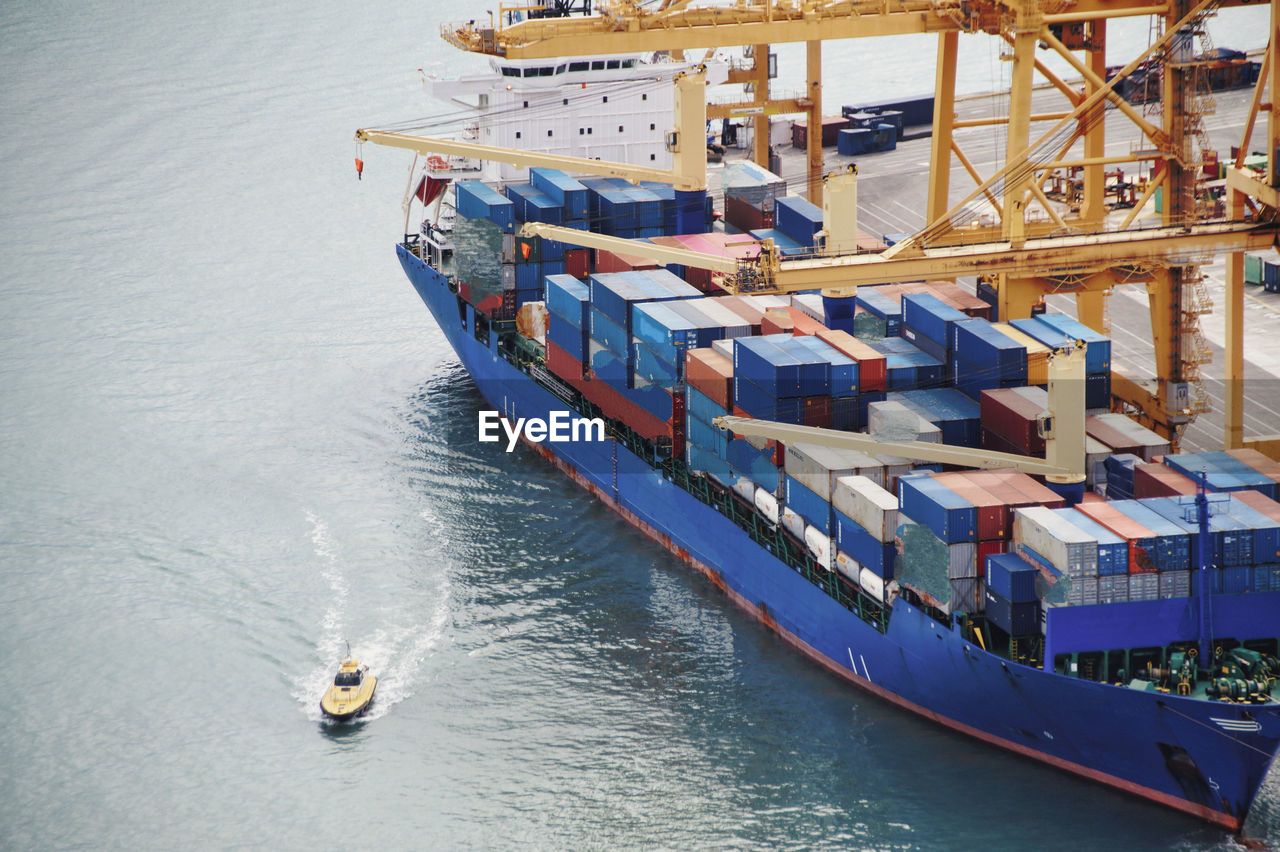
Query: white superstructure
[(616, 107)]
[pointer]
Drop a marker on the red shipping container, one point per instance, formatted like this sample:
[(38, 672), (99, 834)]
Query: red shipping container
[(577, 262), (563, 364), (1012, 417), (1118, 441), (993, 513), (745, 216), (1156, 480), (985, 549), (872, 372), (608, 261), (805, 324), (777, 321), (711, 373), (817, 411), (1125, 527)]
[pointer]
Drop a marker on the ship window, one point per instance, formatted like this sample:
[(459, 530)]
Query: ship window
[(559, 69), (619, 128), (653, 127), (606, 99), (581, 131), (614, 63), (597, 65), (564, 101), (546, 72), (588, 131), (579, 66), (510, 72), (644, 96), (517, 134), (548, 132), (526, 104), (628, 63), (347, 679), (653, 156)]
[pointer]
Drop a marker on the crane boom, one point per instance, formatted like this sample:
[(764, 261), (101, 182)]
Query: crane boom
[(941, 453), (687, 143)]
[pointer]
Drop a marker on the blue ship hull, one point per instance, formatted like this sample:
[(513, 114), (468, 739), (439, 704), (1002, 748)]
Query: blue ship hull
[(1204, 758)]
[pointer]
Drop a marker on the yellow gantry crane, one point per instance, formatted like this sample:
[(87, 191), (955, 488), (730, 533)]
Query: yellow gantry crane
[(1034, 247)]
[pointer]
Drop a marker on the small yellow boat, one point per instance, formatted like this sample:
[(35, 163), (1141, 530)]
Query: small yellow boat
[(351, 692)]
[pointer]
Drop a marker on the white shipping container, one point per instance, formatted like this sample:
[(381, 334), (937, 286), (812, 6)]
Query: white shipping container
[(848, 566), (892, 421), (817, 467), (724, 347), (1175, 584), (819, 544), (746, 489), (1113, 589), (733, 324), (767, 504), (793, 523), (1095, 459), (1065, 546), (1144, 587), (1088, 587), (871, 584), (765, 302), (962, 560), (809, 304), (867, 504)]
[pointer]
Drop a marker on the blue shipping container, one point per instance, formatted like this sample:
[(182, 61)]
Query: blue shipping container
[(808, 505), (1012, 577), (951, 517), (477, 200)]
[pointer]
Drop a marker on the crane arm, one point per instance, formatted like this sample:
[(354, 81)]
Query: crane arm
[(941, 453), (1074, 254), (430, 145), (661, 254)]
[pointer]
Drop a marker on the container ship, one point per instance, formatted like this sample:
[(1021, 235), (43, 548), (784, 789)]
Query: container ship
[(1127, 633)]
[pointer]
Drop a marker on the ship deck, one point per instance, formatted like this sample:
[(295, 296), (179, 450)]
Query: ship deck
[(892, 190)]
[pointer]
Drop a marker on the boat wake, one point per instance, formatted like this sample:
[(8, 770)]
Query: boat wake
[(395, 653)]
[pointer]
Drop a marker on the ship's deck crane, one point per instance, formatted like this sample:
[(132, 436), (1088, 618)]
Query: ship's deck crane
[(1062, 427), (1016, 191)]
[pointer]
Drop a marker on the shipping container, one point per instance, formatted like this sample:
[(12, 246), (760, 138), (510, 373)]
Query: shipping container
[(893, 421), (987, 353), (951, 518), (761, 361), (1016, 619), (993, 514), (476, 200), (863, 499), (930, 316), (1011, 577), (568, 298), (797, 218), (1172, 544), (871, 553), (711, 373), (818, 467), (1037, 353), (871, 364), (1058, 541), (804, 502)]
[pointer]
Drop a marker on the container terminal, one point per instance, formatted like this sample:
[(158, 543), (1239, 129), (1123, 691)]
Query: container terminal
[(924, 458)]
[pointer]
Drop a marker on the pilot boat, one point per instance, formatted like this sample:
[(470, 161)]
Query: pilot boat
[(351, 693)]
